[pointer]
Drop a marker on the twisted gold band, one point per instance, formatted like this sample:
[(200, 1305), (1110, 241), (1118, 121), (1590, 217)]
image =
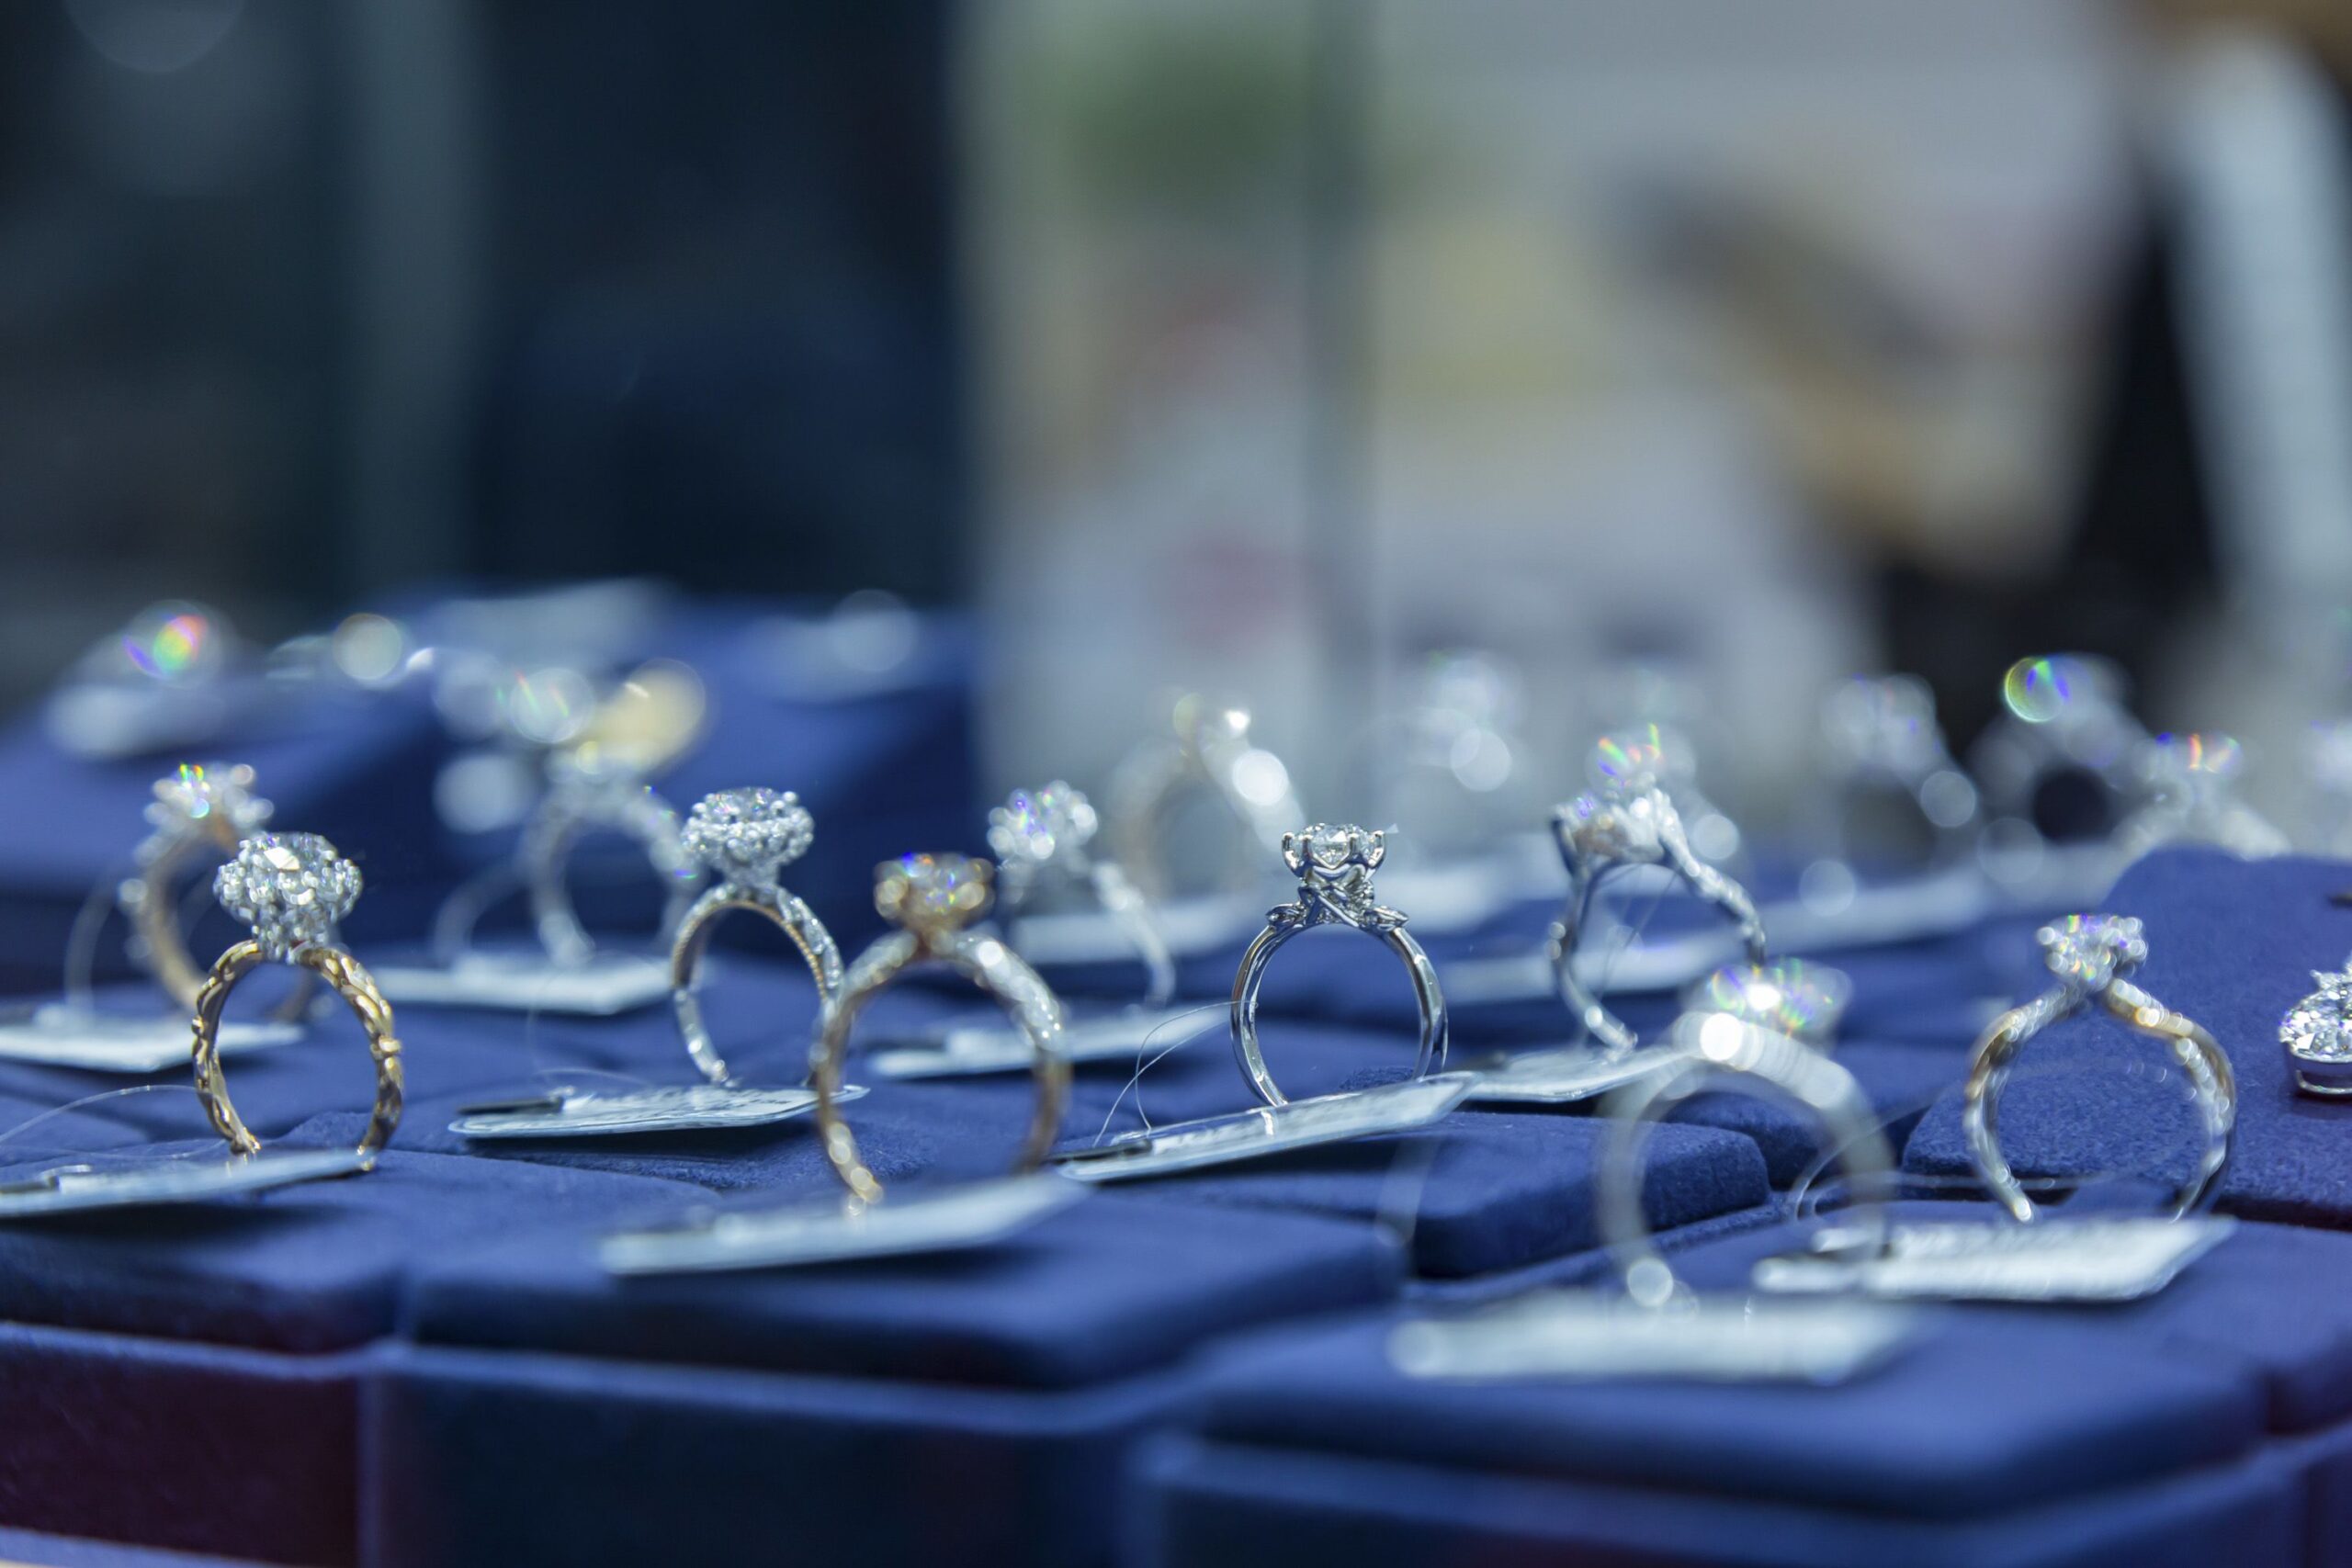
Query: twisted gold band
[(168, 959), (352, 983)]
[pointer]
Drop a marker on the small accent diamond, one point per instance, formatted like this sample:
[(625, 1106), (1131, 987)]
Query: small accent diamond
[(291, 888)]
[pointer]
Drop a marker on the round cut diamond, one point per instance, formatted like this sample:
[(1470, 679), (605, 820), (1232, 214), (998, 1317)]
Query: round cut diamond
[(746, 834), (1328, 848), (2089, 951), (291, 888), (2319, 1027), (1788, 996), (931, 891), (1032, 825)]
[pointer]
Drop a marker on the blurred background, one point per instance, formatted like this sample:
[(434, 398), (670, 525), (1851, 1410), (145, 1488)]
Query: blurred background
[(1446, 382)]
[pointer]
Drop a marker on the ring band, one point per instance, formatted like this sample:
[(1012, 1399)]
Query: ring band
[(207, 806), (1039, 833), (746, 836), (2090, 954), (291, 889), (1605, 831), (1334, 865), (1722, 1047), (931, 898), (577, 805)]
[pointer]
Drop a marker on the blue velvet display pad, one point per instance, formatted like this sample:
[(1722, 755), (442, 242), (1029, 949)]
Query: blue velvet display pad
[(1197, 1503), (1479, 1192), (2060, 1434), (194, 1448), (964, 1408), (2231, 944)]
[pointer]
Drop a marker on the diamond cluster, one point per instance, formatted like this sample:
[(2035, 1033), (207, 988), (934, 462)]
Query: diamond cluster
[(2089, 951), (291, 888), (746, 834), (1033, 825), (2319, 1027), (933, 891), (200, 794), (1613, 827)]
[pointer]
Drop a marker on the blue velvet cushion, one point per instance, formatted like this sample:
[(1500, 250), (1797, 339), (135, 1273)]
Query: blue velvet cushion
[(2231, 944), (316, 1267), (1199, 1504)]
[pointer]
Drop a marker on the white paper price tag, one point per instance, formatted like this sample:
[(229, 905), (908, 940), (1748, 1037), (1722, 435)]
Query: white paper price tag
[(608, 985), (967, 1051), (590, 1113), (81, 1189), (1271, 1130), (905, 1222), (1573, 1334), (2095, 1258), (58, 1035)]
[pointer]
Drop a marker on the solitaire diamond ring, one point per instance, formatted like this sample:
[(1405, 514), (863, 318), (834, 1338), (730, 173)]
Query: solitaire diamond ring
[(591, 790), (200, 809), (1334, 866), (933, 900), (1631, 823), (2090, 956)]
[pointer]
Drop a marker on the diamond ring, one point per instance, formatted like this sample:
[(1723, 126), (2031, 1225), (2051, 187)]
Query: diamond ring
[(199, 810), (1038, 834), (590, 790), (933, 900), (2090, 955), (2192, 783), (2317, 1033), (1717, 1051), (1211, 749), (1334, 866), (745, 837), (1630, 823), (292, 890)]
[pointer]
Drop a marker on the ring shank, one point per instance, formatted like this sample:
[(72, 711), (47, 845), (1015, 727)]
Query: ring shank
[(353, 984), (998, 972), (795, 918), (1760, 1060), (546, 852), (2199, 1055), (1583, 1004), (1250, 1055)]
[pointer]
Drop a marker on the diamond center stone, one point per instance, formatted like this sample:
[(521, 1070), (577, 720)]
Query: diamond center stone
[(1788, 996), (1033, 825), (2319, 1027), (2089, 951), (933, 891), (290, 888)]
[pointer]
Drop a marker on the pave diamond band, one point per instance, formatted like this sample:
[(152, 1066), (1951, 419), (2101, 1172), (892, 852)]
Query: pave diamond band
[(934, 900), (1603, 831), (1334, 866), (747, 836), (2091, 957)]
